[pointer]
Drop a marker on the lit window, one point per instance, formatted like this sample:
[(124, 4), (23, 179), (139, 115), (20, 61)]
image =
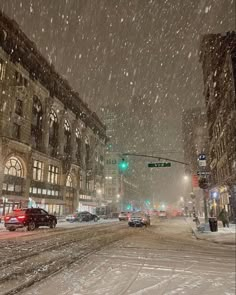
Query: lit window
[(2, 69), (69, 181), (38, 170), (53, 174), (13, 167)]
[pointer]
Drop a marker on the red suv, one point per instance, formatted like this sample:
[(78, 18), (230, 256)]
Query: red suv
[(31, 218)]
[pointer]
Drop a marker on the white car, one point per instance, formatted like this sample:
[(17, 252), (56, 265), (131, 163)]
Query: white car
[(162, 214)]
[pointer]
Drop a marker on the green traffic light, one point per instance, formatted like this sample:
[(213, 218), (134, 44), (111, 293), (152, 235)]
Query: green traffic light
[(123, 165)]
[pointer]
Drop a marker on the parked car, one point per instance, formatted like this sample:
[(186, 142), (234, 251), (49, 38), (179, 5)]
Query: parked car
[(123, 216), (87, 216), (73, 217), (139, 219), (31, 218)]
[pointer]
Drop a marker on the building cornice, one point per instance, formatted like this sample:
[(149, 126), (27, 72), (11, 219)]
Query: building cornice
[(22, 50)]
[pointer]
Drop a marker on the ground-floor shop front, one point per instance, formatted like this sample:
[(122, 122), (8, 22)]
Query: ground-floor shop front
[(223, 197), (9, 203)]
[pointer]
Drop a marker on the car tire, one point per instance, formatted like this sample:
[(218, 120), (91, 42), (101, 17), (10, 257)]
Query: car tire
[(11, 229), (52, 224), (31, 226)]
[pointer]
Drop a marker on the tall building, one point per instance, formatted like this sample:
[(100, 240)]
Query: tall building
[(129, 129), (195, 137), (51, 143), (218, 58), (195, 142)]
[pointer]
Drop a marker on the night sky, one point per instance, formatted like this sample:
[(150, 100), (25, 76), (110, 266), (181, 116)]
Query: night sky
[(112, 50)]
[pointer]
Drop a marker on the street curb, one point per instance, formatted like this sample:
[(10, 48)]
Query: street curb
[(204, 239)]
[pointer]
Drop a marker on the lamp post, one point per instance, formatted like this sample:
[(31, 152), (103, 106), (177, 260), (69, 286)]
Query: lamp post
[(188, 179)]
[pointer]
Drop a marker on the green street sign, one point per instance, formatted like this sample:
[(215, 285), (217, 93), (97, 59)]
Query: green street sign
[(159, 165)]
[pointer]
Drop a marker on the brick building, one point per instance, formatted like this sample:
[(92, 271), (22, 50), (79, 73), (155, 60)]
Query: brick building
[(51, 143), (218, 58)]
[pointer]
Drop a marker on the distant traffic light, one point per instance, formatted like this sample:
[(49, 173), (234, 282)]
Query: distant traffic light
[(123, 165), (148, 202), (128, 207)]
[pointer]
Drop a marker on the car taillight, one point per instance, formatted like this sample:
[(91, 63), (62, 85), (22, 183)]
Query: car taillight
[(7, 218), (21, 217)]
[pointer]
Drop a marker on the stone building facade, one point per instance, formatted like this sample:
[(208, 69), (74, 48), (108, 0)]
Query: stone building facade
[(51, 143), (195, 142), (218, 58)]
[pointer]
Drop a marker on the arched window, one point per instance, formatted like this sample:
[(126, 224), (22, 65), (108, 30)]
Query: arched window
[(53, 133), (78, 144), (37, 122), (14, 167), (69, 182), (67, 134), (13, 177)]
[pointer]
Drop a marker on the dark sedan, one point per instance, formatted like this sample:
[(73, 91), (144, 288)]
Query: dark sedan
[(139, 219), (87, 216), (31, 218)]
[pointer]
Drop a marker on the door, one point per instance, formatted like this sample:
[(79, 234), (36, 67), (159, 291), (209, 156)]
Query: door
[(44, 217)]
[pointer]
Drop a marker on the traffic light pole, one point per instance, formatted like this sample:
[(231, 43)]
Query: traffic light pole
[(155, 157)]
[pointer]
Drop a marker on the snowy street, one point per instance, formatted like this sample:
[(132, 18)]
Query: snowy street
[(162, 259)]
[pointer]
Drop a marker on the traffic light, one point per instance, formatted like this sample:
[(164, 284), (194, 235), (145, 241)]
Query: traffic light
[(109, 146), (128, 207), (123, 165)]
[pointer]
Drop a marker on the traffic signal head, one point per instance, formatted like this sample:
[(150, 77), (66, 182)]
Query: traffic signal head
[(123, 165)]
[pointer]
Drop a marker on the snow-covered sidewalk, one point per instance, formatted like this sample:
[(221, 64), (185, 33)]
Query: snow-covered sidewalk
[(224, 235)]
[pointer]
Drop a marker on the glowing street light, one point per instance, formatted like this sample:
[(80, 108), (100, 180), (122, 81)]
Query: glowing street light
[(186, 177), (99, 191)]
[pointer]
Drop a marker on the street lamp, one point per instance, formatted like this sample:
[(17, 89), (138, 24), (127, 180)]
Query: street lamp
[(186, 177), (99, 191)]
